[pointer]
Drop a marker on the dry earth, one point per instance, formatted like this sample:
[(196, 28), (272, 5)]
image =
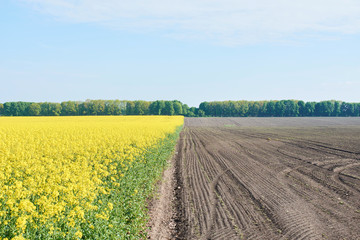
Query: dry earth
[(162, 224), (266, 178)]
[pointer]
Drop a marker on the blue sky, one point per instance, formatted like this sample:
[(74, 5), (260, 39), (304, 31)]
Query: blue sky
[(189, 50)]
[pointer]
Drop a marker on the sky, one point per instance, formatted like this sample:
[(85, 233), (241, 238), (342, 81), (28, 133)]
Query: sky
[(188, 50)]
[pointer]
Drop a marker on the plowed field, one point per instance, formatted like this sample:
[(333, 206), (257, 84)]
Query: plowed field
[(269, 178)]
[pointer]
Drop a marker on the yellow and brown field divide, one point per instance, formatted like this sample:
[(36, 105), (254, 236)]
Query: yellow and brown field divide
[(80, 177)]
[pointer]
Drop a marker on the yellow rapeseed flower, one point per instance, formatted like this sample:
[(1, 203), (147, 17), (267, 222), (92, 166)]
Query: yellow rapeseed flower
[(54, 170), (78, 234), (110, 206)]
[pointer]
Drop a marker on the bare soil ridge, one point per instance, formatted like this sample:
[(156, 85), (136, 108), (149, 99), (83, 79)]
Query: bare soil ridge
[(164, 219), (242, 178)]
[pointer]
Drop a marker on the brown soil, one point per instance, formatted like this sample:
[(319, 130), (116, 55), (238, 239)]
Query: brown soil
[(162, 208), (273, 178)]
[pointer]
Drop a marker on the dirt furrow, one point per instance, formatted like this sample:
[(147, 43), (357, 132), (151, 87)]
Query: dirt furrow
[(240, 181)]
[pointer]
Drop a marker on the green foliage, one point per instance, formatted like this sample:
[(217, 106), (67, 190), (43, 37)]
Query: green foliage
[(157, 107), (96, 107), (121, 213), (1, 109), (185, 109), (34, 109), (301, 105), (50, 109), (69, 108), (282, 108), (169, 108), (201, 113), (130, 108), (178, 109), (129, 214), (141, 108), (16, 108)]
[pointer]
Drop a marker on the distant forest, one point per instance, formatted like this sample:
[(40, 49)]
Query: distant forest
[(283, 108)]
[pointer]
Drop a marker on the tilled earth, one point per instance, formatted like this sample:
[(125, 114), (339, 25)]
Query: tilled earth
[(274, 178)]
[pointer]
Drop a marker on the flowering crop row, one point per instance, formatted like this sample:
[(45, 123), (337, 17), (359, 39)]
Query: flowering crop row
[(80, 177)]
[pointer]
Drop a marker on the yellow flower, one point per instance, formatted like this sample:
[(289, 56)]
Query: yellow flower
[(78, 234), (20, 237), (26, 205), (53, 170), (110, 206), (21, 222)]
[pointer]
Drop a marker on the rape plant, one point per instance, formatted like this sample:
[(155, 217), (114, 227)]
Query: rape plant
[(80, 177)]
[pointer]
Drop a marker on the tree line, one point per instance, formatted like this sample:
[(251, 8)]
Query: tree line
[(96, 107), (283, 108)]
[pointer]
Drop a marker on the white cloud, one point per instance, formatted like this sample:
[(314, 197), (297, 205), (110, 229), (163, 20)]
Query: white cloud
[(225, 21)]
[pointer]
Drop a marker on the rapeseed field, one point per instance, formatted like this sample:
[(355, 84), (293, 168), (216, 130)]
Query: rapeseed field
[(80, 177)]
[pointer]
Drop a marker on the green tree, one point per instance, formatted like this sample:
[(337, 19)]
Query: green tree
[(153, 108), (34, 109), (178, 108), (50, 109), (356, 110), (130, 108), (336, 111), (138, 109), (112, 107), (1, 109), (16, 108), (185, 108), (301, 105), (84, 108), (12, 109), (328, 108), (291, 108), (227, 108), (204, 106), (97, 107), (161, 107), (280, 108), (69, 108), (55, 109), (192, 112), (254, 108), (218, 109), (169, 108), (348, 109), (44, 109), (6, 110), (243, 109), (141, 107), (309, 108), (201, 113), (157, 107), (263, 109), (324, 108), (270, 109)]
